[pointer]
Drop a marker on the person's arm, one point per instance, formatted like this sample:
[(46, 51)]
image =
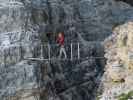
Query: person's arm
[(57, 40), (62, 40)]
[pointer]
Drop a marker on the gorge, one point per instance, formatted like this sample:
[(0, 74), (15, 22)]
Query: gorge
[(23, 28)]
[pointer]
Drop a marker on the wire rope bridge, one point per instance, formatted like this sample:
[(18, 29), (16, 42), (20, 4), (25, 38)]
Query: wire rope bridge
[(54, 56), (49, 52)]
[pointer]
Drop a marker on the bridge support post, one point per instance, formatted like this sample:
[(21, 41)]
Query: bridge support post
[(71, 51), (42, 52), (78, 51), (49, 52)]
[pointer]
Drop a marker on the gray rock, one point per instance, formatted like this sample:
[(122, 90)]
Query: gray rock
[(23, 23)]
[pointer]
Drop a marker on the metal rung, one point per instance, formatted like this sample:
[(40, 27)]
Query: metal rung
[(74, 43), (40, 59)]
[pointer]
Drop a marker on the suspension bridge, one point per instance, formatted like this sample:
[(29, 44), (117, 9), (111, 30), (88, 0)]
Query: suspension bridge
[(50, 52)]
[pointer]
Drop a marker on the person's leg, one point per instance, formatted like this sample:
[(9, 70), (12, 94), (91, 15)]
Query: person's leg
[(61, 50), (64, 51)]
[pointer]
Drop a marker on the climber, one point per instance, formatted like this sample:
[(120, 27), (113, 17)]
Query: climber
[(60, 41)]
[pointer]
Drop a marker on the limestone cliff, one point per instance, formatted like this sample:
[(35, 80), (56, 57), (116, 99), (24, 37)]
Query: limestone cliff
[(118, 76)]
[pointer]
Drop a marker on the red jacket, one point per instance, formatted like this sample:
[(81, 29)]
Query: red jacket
[(61, 40)]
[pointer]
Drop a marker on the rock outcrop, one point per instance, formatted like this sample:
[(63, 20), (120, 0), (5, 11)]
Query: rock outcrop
[(119, 68)]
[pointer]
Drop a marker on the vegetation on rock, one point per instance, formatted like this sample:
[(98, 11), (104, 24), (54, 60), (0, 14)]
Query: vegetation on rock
[(127, 96)]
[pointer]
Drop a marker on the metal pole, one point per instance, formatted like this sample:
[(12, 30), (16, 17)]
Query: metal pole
[(49, 52), (78, 51), (42, 52), (71, 51), (4, 53)]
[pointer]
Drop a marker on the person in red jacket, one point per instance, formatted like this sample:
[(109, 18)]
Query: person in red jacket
[(60, 41)]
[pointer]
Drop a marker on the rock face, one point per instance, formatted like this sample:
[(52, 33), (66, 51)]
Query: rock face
[(23, 28), (127, 1), (119, 66)]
